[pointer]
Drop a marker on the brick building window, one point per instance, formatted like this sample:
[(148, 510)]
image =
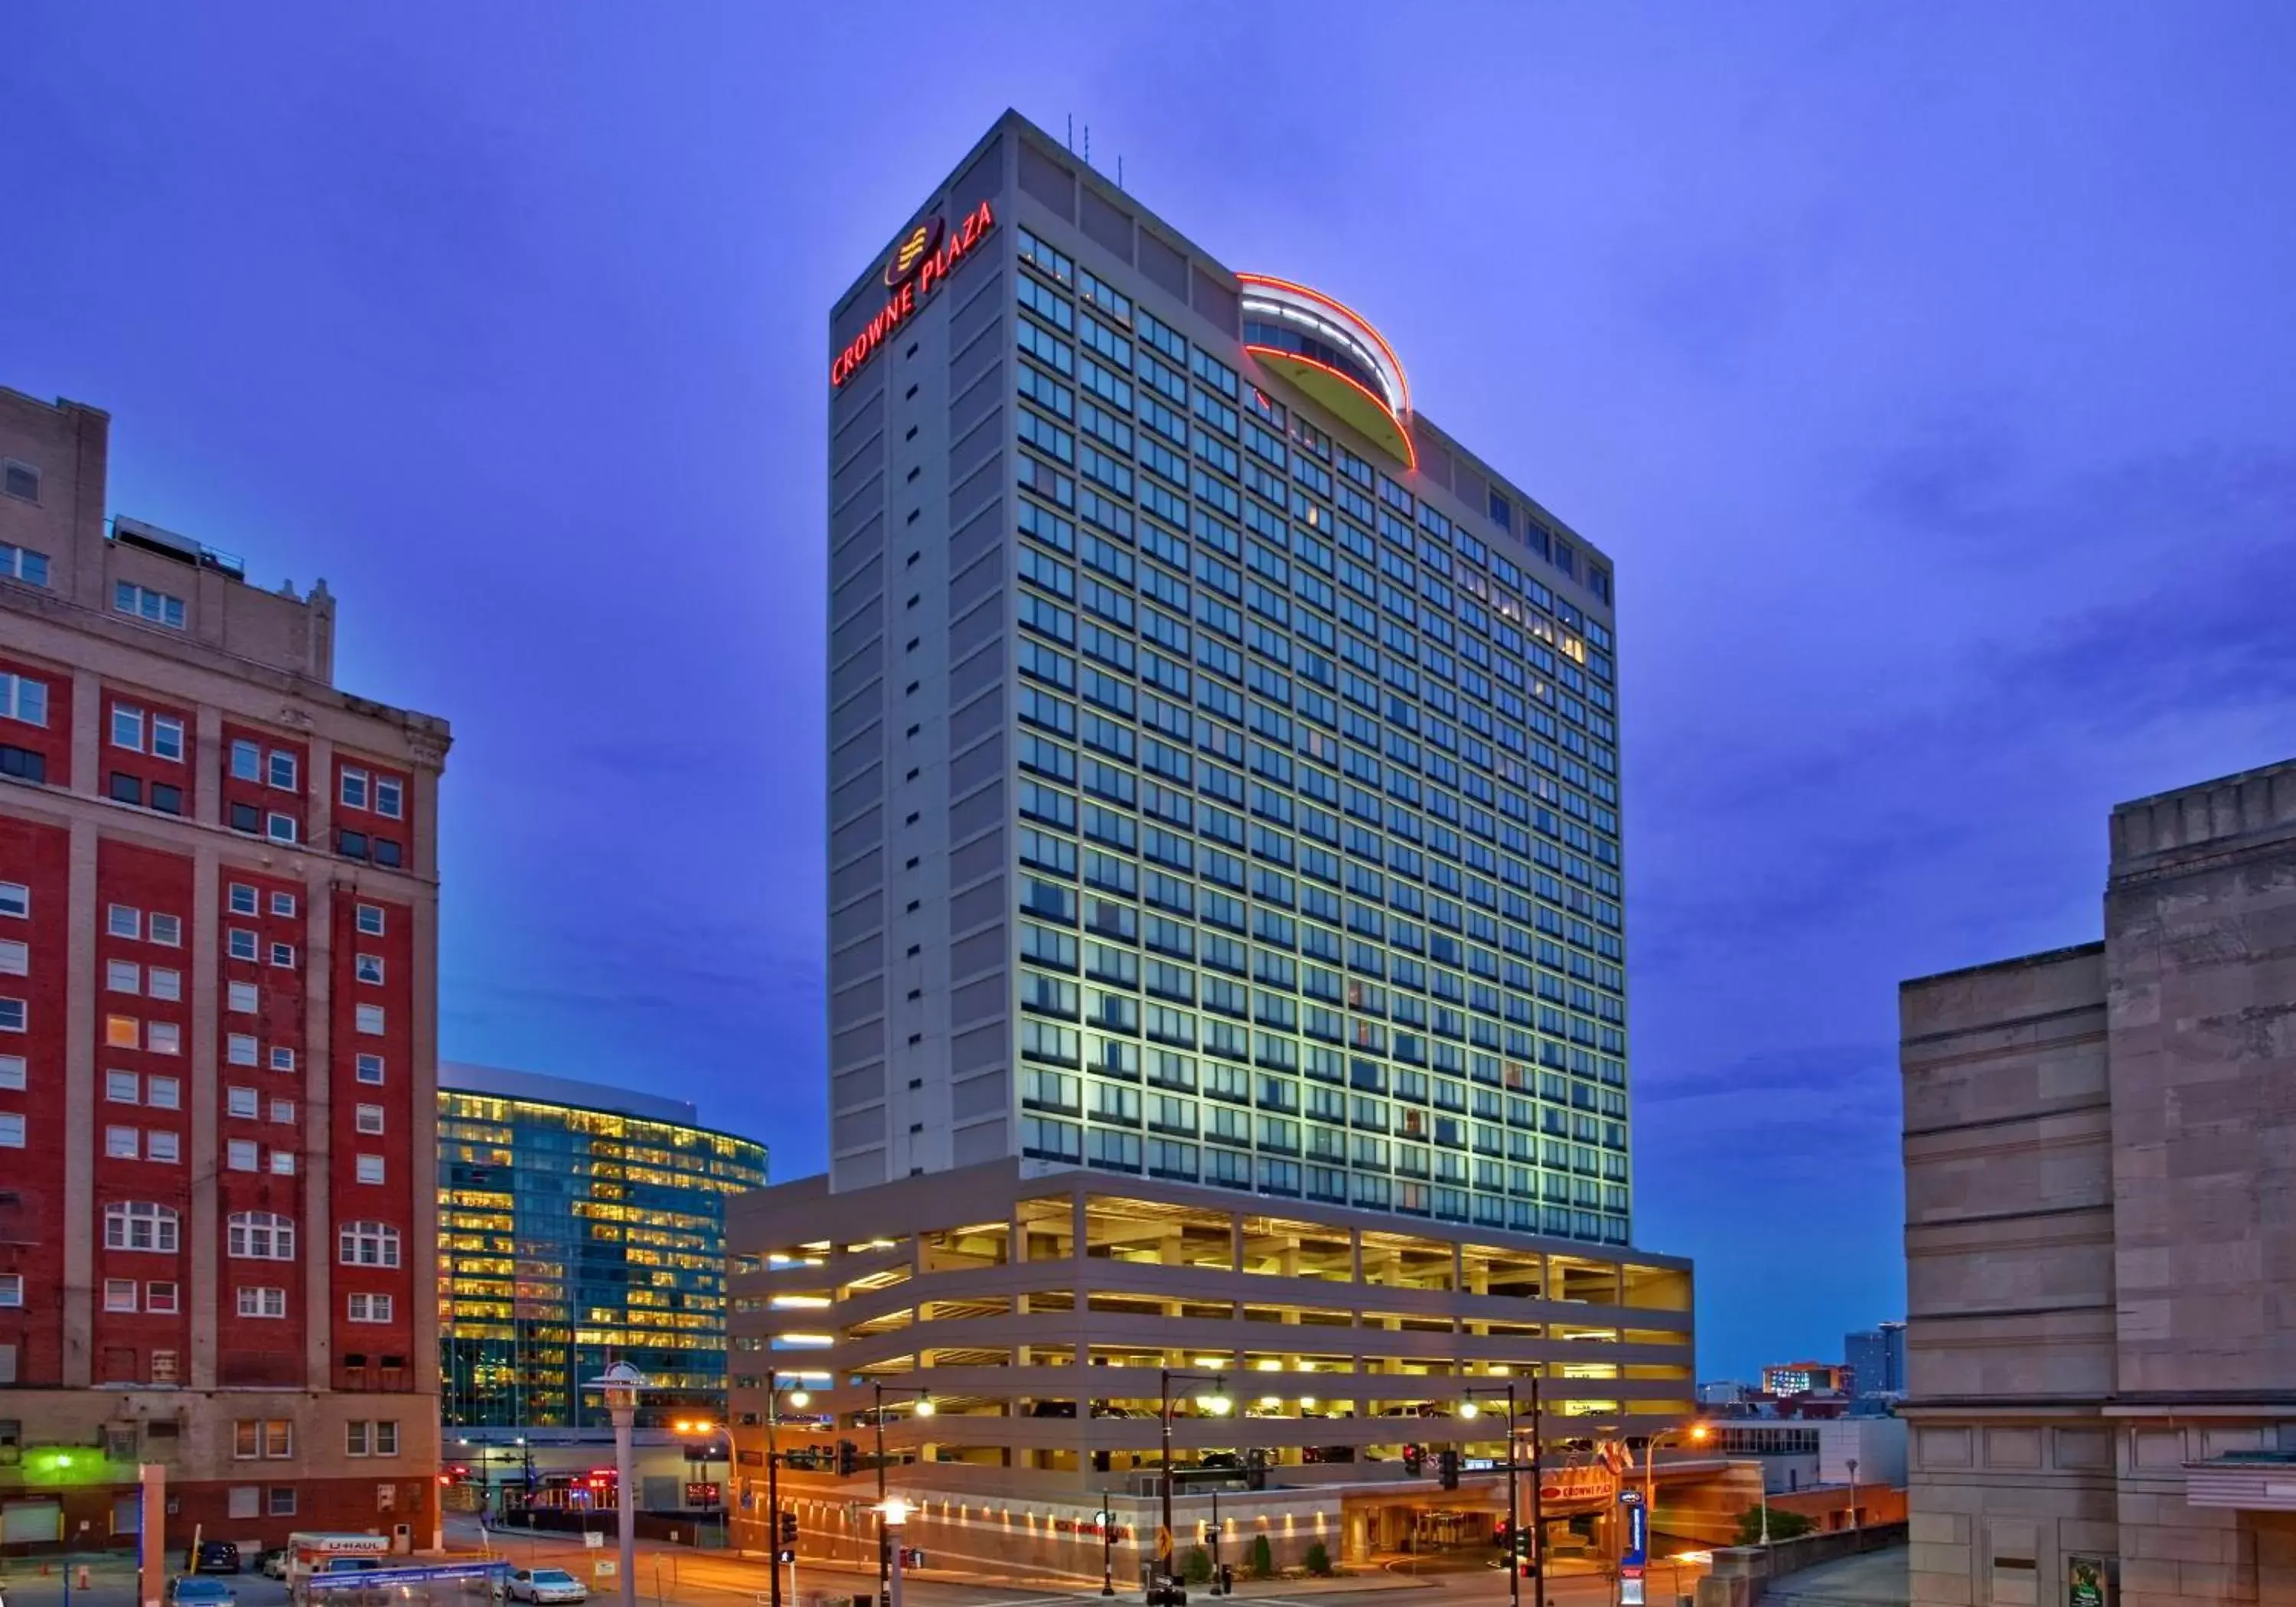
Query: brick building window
[(261, 1236), (368, 1244), (139, 1224), (266, 1439)]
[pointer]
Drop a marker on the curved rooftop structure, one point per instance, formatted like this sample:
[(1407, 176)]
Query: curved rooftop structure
[(1331, 352)]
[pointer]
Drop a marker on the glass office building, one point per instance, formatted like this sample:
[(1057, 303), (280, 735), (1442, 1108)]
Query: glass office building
[(1224, 775), (579, 1225)]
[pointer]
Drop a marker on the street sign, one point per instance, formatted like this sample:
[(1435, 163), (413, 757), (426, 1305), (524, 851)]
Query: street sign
[(1630, 1497), (605, 1568), (593, 1539), (1637, 1535), (1630, 1593), (1163, 1541)]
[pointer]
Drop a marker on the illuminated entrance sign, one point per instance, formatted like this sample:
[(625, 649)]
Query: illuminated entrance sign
[(912, 271)]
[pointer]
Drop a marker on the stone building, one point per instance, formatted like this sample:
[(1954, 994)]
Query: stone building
[(2100, 1144)]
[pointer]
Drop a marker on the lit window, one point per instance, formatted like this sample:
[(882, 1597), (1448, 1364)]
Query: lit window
[(370, 1168), (122, 920), (370, 1019), (128, 727), (139, 1224), (370, 968), (240, 1155), (123, 1087), (370, 1307), (370, 920), (119, 1294), (16, 900), (388, 797), (143, 602), (353, 789), (122, 1143), (22, 698), (239, 1048), (280, 772), (370, 1068), (164, 1147), (162, 983), (167, 737), (167, 931), (241, 1102), (123, 976), (369, 1119), (163, 1093), (160, 1297)]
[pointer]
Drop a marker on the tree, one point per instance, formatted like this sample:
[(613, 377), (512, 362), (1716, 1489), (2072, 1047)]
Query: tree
[(1199, 1567), (1263, 1558), (1319, 1561), (1783, 1525)]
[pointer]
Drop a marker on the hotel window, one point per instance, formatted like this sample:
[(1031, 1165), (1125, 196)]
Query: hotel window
[(281, 771), (128, 727), (259, 1236), (283, 1112), (143, 602), (15, 957), (369, 1307), (280, 828), (283, 905), (16, 900), (167, 931), (370, 969), (370, 920), (12, 1130), (262, 1302), (11, 1073), (123, 920), (240, 1155), (240, 996), (246, 760), (282, 1163), (242, 899), (12, 1289), (239, 944), (353, 789), (239, 1049), (162, 983), (388, 797), (370, 1168), (22, 563), (167, 737), (283, 955), (369, 1019), (11, 1015), (369, 1119), (370, 1068), (120, 1294), (159, 1297), (139, 1224), (163, 1093), (367, 1244), (122, 1143), (241, 1102), (123, 1087), (283, 1059), (123, 976), (163, 1146), (164, 1038), (22, 698)]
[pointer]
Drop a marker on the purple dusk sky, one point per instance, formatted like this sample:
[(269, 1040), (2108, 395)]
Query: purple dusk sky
[(1928, 370)]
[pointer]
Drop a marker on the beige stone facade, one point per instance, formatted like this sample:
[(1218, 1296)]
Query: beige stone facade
[(2100, 1149)]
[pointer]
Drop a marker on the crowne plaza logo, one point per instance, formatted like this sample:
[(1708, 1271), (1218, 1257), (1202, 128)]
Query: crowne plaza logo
[(922, 258), (915, 246)]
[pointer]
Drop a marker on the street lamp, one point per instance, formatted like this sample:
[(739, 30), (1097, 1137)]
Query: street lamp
[(1854, 1523), (890, 1515), (1218, 1404), (1468, 1408), (800, 1400), (1697, 1434), (620, 1385), (924, 1408)]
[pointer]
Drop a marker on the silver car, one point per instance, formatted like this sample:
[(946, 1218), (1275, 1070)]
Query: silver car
[(546, 1584)]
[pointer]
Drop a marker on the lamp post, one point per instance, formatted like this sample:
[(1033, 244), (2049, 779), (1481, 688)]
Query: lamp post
[(1107, 1547), (620, 1385), (798, 1398), (1218, 1404), (1854, 1523), (890, 1516), (1515, 1549), (885, 1573)]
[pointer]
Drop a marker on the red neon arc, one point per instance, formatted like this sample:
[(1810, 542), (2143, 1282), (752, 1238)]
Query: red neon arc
[(1411, 450), (1345, 311), (912, 293)]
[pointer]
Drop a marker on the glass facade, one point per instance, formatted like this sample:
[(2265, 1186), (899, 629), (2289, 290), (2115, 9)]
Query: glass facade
[(569, 1239), (1319, 876)]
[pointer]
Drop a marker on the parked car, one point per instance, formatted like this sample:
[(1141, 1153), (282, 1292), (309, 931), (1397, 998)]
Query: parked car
[(1219, 1459), (212, 1556), (193, 1590), (1052, 1408), (272, 1562), (546, 1584)]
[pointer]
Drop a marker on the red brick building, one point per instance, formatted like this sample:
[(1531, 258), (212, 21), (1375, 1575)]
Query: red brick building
[(219, 903)]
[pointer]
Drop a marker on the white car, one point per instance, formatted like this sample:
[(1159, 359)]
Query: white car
[(546, 1584)]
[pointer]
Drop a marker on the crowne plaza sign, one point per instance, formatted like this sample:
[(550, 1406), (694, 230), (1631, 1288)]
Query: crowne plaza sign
[(914, 268)]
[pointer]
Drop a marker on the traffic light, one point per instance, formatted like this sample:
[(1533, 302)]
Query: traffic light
[(1448, 1464), (1415, 1460), (785, 1538), (848, 1459)]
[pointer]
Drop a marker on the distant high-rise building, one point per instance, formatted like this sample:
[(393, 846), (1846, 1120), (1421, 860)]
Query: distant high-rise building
[(1876, 1358), (2100, 1148), (1803, 1378), (218, 942)]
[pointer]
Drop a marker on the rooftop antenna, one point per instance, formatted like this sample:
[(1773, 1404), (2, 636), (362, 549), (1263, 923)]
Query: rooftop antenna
[(1071, 134), (1087, 144), (1120, 172)]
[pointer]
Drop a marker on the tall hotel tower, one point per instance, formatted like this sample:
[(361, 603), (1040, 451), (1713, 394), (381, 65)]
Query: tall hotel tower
[(1223, 782)]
